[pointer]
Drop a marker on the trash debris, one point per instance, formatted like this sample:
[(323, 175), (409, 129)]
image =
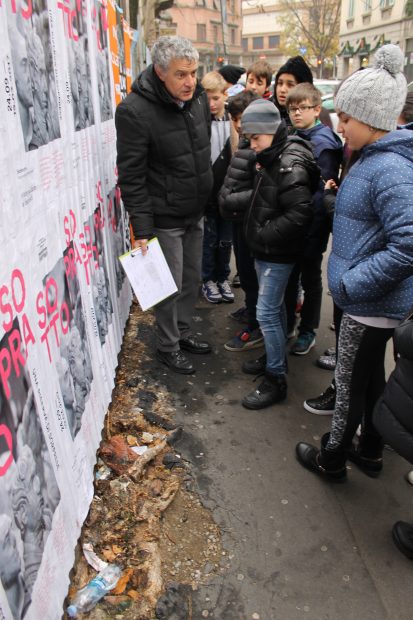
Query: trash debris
[(86, 598), (174, 436), (92, 559), (136, 469), (103, 472), (157, 420), (172, 460), (140, 449), (147, 437), (117, 454), (146, 398)]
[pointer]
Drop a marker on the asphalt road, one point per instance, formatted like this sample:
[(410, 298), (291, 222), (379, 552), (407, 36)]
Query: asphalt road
[(296, 547)]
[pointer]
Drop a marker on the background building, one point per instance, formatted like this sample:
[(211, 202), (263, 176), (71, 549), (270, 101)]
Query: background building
[(214, 26), (368, 24), (261, 32)]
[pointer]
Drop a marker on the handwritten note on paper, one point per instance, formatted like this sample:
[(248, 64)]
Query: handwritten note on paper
[(149, 275)]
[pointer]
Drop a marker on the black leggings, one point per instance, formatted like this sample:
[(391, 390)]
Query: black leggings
[(360, 380)]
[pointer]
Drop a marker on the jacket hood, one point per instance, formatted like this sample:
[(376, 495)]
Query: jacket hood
[(148, 85), (268, 155), (398, 141), (322, 138), (296, 147)]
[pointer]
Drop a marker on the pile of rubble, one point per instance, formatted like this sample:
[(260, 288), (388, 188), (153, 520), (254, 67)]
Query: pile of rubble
[(145, 516)]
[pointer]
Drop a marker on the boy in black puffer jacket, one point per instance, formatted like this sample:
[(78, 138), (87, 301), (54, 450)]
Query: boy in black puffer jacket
[(276, 225)]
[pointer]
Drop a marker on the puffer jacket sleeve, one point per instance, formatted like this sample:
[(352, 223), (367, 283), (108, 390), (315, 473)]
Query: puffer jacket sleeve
[(296, 201), (236, 192), (383, 270), (393, 416), (132, 152)]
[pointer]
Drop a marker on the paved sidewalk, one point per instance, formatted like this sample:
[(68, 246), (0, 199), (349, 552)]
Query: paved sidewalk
[(296, 546)]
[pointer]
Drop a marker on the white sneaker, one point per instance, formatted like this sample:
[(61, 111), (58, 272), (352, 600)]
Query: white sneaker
[(225, 290), (211, 292)]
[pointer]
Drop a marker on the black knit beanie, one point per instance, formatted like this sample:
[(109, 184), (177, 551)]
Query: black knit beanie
[(231, 73), (297, 67)]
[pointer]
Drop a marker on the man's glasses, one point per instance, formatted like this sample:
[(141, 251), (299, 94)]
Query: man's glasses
[(300, 109)]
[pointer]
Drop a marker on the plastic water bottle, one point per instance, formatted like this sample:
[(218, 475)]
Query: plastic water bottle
[(87, 597)]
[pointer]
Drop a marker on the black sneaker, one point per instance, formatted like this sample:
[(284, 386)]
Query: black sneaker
[(323, 404), (272, 389), (241, 315), (256, 366)]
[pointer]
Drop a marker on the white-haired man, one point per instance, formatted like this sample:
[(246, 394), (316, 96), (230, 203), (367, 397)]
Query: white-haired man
[(165, 177)]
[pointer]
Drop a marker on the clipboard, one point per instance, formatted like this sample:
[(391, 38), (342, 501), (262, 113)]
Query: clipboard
[(149, 275)]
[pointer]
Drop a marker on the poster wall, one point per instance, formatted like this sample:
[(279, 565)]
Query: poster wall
[(64, 300)]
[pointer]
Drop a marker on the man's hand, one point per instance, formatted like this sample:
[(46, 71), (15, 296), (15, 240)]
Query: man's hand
[(142, 244)]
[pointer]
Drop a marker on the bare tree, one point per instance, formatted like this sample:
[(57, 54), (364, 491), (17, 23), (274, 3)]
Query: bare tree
[(313, 26)]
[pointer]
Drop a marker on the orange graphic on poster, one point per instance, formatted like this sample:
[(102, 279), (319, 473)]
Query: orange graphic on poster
[(120, 44)]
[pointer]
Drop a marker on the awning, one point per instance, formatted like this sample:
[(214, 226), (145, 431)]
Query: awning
[(381, 40), (363, 48), (347, 51)]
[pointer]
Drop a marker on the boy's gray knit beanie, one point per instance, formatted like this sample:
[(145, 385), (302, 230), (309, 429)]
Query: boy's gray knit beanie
[(376, 95), (260, 117)]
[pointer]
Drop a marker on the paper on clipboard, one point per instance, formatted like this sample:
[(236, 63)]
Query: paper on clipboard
[(149, 275)]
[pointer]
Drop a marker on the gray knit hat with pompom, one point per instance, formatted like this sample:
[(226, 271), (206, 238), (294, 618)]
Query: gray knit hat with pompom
[(376, 95)]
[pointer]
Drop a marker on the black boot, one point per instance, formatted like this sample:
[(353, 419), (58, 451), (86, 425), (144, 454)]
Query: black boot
[(402, 533), (328, 464), (272, 389), (255, 367), (368, 454)]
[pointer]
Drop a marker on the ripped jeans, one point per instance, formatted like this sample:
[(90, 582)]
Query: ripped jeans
[(271, 314), (216, 251)]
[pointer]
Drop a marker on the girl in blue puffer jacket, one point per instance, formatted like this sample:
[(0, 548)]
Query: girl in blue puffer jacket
[(370, 271)]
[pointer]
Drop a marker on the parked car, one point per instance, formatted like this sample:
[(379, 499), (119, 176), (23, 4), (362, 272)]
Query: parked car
[(326, 87)]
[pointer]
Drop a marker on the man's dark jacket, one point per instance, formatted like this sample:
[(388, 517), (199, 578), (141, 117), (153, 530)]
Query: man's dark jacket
[(281, 210), (164, 169)]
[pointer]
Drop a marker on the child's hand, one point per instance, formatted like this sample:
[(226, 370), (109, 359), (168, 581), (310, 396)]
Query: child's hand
[(330, 184)]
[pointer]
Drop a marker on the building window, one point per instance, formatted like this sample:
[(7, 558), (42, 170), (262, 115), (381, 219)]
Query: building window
[(200, 2), (274, 41), (201, 33), (386, 4), (214, 34), (257, 43), (351, 9), (233, 36), (366, 6), (245, 45), (232, 6)]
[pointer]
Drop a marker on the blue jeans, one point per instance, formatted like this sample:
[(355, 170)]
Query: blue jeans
[(216, 250), (271, 315)]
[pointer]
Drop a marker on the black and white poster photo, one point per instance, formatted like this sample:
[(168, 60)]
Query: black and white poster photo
[(79, 68), (29, 493), (33, 67)]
